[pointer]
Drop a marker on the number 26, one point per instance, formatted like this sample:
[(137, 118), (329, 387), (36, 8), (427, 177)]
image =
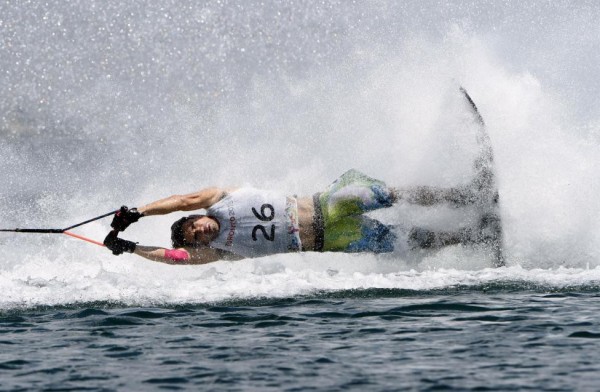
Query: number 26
[(264, 218)]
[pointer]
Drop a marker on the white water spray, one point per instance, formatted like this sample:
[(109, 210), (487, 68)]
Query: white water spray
[(123, 104)]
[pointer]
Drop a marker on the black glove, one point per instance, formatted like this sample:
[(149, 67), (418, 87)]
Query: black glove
[(124, 217), (118, 245)]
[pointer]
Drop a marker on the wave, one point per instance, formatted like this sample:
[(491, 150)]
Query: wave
[(323, 276)]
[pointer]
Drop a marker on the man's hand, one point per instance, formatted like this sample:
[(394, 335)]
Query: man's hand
[(124, 217), (118, 245)]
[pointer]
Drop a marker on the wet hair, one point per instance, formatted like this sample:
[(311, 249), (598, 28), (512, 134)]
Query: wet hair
[(177, 235)]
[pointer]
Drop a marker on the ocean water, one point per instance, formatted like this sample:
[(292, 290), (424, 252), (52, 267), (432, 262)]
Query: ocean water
[(123, 103), (487, 337)]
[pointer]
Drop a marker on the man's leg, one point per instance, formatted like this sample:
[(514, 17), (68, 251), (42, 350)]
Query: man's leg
[(354, 193), (427, 239), (488, 232), (429, 196), (479, 191), (358, 234)]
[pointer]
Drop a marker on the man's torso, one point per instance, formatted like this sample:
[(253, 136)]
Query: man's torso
[(256, 223)]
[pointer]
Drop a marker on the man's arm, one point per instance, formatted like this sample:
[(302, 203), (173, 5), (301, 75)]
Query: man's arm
[(202, 255), (192, 201), (181, 256)]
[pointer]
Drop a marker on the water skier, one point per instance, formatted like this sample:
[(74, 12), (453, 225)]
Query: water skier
[(247, 222)]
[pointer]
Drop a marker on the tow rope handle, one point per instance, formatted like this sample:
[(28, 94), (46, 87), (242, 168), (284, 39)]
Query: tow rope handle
[(65, 230)]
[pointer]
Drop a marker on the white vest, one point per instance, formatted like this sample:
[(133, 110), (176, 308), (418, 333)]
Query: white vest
[(255, 223)]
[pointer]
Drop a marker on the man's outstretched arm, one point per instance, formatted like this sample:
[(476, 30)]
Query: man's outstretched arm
[(169, 256), (178, 256), (192, 201)]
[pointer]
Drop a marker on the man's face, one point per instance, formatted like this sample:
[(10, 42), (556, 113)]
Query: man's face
[(200, 230)]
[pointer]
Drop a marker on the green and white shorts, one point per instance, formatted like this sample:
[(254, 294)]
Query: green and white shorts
[(339, 223)]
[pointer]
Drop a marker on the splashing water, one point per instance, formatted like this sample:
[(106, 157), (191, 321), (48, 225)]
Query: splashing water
[(104, 105)]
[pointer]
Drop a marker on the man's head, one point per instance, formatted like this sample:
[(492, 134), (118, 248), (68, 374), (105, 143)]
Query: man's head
[(194, 231)]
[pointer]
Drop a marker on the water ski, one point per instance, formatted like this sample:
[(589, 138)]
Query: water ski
[(480, 196), (485, 190)]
